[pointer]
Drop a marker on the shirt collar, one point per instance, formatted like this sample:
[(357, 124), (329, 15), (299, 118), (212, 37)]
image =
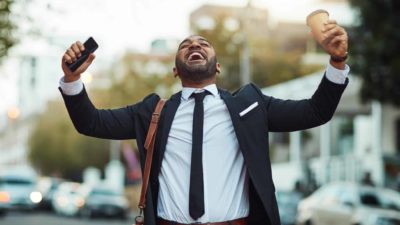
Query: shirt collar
[(188, 91)]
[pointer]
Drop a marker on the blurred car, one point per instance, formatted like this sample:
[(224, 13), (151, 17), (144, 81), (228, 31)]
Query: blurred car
[(47, 187), (19, 191), (350, 204), (4, 201), (66, 201), (103, 201), (287, 204)]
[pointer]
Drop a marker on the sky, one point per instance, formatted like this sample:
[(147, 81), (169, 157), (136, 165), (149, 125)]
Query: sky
[(133, 24), (125, 25)]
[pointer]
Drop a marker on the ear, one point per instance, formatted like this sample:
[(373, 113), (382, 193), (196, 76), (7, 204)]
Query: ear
[(175, 72), (218, 67)]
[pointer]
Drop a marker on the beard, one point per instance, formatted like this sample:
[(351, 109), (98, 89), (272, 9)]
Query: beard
[(197, 73)]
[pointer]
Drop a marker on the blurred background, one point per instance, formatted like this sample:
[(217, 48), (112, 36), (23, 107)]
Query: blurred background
[(49, 174)]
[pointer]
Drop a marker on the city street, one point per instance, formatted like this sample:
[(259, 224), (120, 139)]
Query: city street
[(39, 218)]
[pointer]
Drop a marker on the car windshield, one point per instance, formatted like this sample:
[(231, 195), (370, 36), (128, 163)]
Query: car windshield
[(104, 192), (288, 198), (15, 181), (381, 199)]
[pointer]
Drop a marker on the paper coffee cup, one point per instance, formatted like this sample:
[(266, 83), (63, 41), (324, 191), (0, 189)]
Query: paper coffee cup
[(315, 21)]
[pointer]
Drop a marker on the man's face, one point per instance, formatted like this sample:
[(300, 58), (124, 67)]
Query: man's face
[(195, 59)]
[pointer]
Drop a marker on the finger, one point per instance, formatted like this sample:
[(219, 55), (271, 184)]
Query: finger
[(85, 64), (338, 39), (328, 27), (337, 31), (63, 61), (88, 61), (71, 54), (67, 59), (64, 65), (91, 58), (80, 45), (331, 22), (76, 50)]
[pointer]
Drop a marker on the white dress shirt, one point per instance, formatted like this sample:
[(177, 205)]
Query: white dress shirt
[(224, 170)]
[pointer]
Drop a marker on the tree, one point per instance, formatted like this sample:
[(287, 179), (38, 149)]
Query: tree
[(6, 28), (56, 149), (374, 49), (269, 63)]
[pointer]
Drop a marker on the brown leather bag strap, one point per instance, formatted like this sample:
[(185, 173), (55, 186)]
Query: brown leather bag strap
[(149, 146)]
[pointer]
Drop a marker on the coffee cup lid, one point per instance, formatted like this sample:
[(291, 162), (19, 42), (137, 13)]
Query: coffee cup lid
[(316, 12)]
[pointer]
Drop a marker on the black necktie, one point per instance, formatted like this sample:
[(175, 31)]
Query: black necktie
[(196, 190)]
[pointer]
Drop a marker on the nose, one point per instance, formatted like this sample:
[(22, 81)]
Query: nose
[(194, 45)]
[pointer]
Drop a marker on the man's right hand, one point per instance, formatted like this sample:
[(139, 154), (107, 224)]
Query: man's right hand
[(70, 56)]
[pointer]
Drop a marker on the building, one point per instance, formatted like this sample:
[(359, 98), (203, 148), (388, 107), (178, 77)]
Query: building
[(360, 139), (249, 19)]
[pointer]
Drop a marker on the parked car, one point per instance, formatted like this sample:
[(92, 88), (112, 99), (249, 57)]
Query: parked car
[(350, 204), (66, 201), (287, 204), (47, 187), (19, 190), (103, 201), (4, 201)]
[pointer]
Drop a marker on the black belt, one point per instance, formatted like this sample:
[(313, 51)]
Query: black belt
[(241, 221)]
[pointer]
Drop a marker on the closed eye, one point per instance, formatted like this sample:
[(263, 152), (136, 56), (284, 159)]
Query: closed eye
[(183, 46)]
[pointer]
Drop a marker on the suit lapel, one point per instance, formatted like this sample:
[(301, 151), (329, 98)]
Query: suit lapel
[(233, 109), (168, 116), (229, 101)]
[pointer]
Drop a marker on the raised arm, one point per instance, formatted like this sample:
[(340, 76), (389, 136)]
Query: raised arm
[(291, 115), (101, 123), (111, 123)]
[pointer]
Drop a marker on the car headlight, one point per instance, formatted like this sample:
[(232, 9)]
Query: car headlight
[(4, 197), (36, 197), (79, 202)]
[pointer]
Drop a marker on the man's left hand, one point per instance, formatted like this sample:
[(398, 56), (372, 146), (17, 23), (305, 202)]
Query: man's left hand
[(335, 41)]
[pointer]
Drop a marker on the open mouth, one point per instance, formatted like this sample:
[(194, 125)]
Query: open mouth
[(195, 57)]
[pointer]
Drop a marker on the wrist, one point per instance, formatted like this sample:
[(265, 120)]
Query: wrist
[(339, 62), (338, 65), (69, 79)]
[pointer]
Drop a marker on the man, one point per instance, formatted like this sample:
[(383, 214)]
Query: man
[(226, 179)]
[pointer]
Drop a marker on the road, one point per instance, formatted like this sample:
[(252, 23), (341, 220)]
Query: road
[(44, 218)]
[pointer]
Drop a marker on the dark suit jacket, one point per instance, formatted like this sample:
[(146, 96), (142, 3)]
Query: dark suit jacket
[(251, 130)]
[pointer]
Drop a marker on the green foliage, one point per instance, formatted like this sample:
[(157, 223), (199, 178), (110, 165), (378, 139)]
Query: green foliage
[(6, 28), (269, 65), (57, 149), (374, 48), (130, 86)]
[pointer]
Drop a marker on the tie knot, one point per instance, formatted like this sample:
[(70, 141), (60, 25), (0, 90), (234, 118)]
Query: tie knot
[(199, 97)]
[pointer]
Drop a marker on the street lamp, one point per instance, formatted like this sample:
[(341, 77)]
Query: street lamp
[(245, 53), (87, 78), (13, 113)]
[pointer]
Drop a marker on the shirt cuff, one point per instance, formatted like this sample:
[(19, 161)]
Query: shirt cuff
[(71, 88), (335, 75)]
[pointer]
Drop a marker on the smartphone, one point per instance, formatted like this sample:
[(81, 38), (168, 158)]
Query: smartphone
[(90, 46)]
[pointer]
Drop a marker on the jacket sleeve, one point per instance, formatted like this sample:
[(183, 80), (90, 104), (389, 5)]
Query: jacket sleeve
[(102, 123), (293, 115)]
